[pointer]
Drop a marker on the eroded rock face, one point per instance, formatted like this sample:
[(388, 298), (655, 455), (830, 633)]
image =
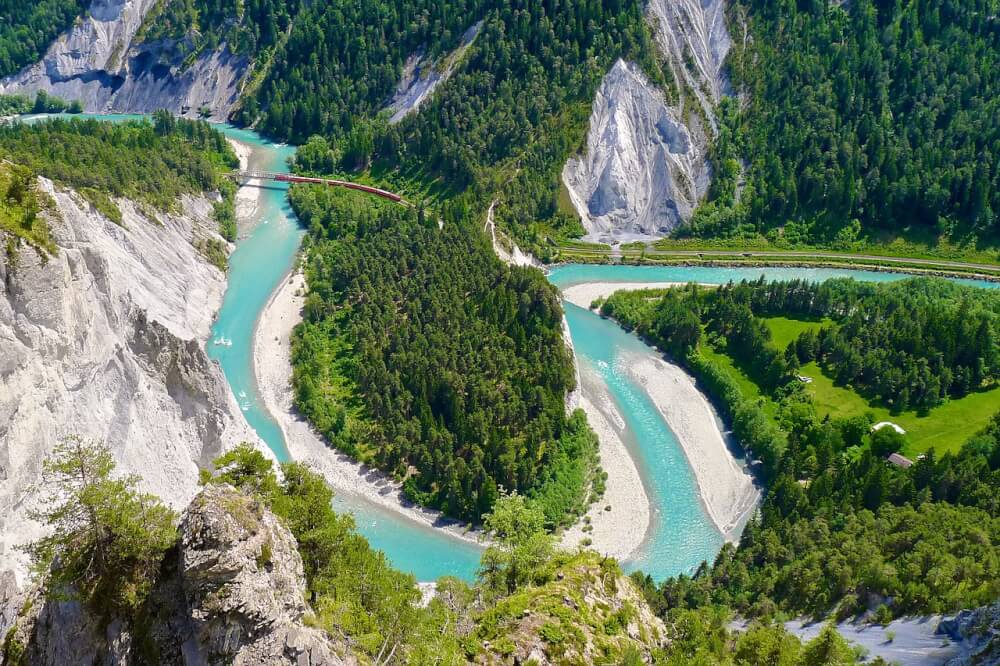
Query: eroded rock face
[(646, 166), (243, 584), (643, 172), (694, 37), (232, 592), (422, 75), (106, 340), (978, 631), (100, 62)]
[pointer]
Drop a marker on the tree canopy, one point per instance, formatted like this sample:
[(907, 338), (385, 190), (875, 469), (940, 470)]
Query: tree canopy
[(106, 538), (874, 115), (424, 354)]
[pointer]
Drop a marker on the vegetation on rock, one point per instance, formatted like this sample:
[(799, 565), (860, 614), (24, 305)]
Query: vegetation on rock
[(21, 205), (151, 163), (106, 538)]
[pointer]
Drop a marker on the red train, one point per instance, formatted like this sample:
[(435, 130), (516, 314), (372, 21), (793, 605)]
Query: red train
[(287, 178)]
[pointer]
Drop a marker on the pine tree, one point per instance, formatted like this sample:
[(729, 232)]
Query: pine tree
[(107, 539)]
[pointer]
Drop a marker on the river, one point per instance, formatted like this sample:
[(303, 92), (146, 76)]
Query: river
[(681, 534), (680, 537)]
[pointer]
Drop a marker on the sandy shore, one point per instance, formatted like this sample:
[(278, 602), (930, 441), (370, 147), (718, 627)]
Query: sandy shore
[(617, 532), (585, 294), (248, 196), (727, 490), (273, 369)]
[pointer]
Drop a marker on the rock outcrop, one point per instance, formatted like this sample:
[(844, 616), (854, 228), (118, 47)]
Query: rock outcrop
[(232, 592), (978, 634), (243, 584), (422, 75), (106, 340), (644, 171), (102, 62), (590, 613), (646, 168)]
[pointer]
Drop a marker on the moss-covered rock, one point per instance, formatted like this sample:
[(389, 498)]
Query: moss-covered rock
[(589, 613)]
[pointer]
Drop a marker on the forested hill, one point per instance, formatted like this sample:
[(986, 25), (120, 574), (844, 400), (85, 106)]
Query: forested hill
[(425, 355), (863, 115), (503, 124), (843, 530)]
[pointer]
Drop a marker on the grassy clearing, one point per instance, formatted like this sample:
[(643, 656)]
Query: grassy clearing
[(564, 204), (747, 386), (784, 330), (945, 428)]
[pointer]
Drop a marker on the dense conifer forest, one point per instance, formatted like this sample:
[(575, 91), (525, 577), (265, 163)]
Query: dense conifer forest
[(842, 529), (423, 353), (862, 116), (251, 28), (880, 123), (152, 163)]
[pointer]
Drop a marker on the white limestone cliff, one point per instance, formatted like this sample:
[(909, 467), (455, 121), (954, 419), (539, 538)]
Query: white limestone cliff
[(645, 168), (100, 62), (422, 75), (232, 591), (106, 339)]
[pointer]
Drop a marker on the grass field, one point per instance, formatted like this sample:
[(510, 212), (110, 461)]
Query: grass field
[(945, 428), (784, 329)]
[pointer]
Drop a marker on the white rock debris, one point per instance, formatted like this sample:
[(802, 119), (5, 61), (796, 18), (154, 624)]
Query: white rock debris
[(106, 340), (693, 36), (645, 168), (422, 76), (100, 62)]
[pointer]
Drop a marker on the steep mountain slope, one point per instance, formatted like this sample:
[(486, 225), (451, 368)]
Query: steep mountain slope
[(106, 339), (646, 168), (422, 75), (104, 62), (864, 119)]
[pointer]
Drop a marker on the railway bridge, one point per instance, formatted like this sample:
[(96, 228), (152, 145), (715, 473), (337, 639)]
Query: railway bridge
[(329, 182)]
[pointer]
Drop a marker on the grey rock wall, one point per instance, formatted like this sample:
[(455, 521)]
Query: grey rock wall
[(100, 62)]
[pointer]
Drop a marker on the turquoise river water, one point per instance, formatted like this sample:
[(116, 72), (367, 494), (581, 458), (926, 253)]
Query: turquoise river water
[(682, 534)]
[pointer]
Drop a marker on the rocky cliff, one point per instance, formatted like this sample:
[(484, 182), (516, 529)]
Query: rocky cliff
[(645, 167), (590, 613), (106, 339), (422, 75), (232, 592), (103, 62)]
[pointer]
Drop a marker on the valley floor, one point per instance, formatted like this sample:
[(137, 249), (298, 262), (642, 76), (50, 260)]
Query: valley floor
[(727, 490), (273, 370)]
